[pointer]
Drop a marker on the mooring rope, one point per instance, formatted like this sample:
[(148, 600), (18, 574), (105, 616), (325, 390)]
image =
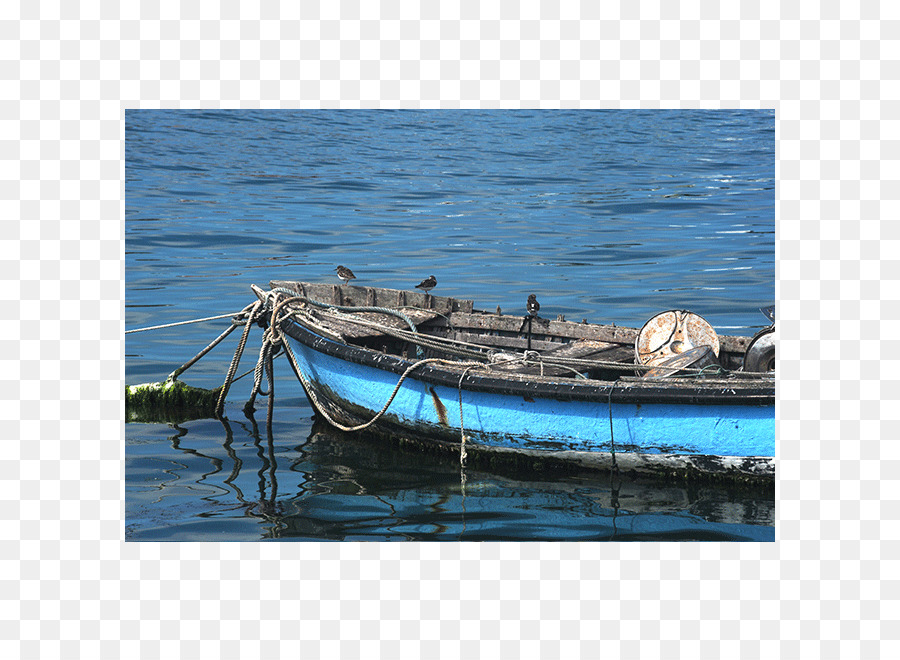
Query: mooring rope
[(266, 356), (172, 325), (462, 432), (612, 440), (236, 321), (277, 336), (307, 386), (270, 374), (220, 405)]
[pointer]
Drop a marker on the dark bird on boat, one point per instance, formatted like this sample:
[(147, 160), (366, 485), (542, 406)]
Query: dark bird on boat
[(345, 274), (427, 285), (533, 306)]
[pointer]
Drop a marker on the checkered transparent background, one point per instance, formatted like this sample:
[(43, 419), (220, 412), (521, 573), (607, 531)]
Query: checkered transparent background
[(72, 588)]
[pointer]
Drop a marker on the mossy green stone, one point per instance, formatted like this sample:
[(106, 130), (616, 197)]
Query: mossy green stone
[(172, 401)]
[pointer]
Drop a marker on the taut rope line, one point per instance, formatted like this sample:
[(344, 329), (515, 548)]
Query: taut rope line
[(172, 325), (236, 321), (229, 378)]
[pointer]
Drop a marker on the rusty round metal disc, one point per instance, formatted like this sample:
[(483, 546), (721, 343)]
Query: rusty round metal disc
[(672, 333)]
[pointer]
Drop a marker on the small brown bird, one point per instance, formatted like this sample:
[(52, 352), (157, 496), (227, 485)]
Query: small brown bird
[(427, 285), (345, 274), (533, 306)]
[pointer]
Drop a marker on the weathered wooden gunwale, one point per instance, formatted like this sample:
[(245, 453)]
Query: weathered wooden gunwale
[(484, 321), (457, 319), (746, 390), (476, 323), (368, 296)]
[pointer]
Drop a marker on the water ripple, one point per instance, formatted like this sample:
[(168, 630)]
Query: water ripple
[(605, 215)]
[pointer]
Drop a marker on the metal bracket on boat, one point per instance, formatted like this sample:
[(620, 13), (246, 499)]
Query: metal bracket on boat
[(760, 355)]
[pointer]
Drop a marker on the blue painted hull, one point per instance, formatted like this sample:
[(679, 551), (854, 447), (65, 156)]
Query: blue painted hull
[(568, 419)]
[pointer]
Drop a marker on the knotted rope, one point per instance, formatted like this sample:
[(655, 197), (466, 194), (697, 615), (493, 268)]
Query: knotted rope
[(275, 336), (229, 377)]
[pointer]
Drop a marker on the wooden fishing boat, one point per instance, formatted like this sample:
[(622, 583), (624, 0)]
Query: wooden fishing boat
[(671, 397)]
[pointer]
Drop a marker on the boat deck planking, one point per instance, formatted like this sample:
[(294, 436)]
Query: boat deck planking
[(367, 296), (456, 319)]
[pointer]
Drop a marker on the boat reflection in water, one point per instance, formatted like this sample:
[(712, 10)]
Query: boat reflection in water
[(355, 487)]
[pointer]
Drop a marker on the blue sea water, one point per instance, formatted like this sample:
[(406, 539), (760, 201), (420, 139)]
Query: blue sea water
[(606, 215)]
